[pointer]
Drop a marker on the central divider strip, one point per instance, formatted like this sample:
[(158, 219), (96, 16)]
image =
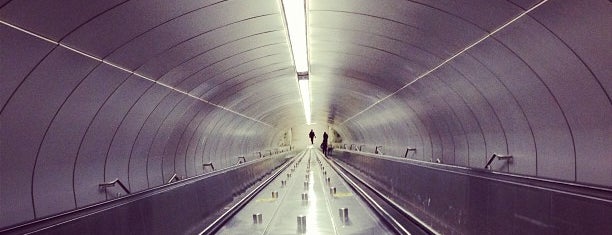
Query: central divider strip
[(327, 202), (218, 223), (282, 199)]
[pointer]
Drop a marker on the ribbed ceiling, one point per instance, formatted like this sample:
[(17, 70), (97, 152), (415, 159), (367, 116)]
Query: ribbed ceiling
[(140, 90)]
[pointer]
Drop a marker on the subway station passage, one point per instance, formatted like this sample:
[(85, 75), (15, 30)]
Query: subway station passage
[(303, 190), (165, 117)]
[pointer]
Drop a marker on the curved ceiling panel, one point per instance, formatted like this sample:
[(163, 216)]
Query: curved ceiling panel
[(136, 22), (54, 20)]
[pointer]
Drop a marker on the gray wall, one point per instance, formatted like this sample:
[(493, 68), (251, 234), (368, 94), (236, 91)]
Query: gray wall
[(539, 90)]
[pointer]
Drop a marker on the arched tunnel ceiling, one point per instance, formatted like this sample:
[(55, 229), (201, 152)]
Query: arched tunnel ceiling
[(390, 43), (235, 53), (141, 89)]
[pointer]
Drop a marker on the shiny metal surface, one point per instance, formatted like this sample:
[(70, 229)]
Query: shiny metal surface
[(459, 200), (320, 210), (140, 90), (177, 208)]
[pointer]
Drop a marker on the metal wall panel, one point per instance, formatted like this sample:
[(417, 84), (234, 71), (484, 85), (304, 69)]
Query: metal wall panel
[(170, 148), (54, 20), (502, 125), (20, 54), (566, 77), (191, 166), (60, 147), (118, 155), (25, 120), (472, 201), (147, 156), (172, 121), (91, 159), (230, 35)]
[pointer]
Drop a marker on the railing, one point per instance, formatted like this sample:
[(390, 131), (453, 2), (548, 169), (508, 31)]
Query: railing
[(499, 157), (210, 164), (105, 185), (408, 150), (377, 150), (174, 177)]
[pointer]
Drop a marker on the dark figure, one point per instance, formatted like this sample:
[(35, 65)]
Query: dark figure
[(312, 136), (324, 144)]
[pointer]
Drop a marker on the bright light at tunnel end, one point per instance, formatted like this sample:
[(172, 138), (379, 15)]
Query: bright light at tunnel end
[(295, 16)]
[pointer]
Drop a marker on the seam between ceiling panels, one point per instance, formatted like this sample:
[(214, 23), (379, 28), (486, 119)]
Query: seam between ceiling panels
[(132, 72)]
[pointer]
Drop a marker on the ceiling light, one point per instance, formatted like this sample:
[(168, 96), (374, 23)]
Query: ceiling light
[(305, 92), (295, 15)]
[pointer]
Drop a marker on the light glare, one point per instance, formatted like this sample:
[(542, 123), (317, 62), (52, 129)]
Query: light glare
[(305, 91), (295, 15)]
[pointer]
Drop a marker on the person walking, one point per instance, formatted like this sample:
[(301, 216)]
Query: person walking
[(312, 136), (324, 144)]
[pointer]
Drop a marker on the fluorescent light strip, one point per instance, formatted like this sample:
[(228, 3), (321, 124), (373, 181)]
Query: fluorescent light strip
[(129, 71), (448, 60), (295, 16), (305, 92)]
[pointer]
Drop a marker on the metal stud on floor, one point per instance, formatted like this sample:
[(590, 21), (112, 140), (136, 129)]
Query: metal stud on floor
[(257, 218), (332, 190), (328, 180), (304, 196), (305, 185), (301, 223), (283, 183), (274, 194), (344, 214)]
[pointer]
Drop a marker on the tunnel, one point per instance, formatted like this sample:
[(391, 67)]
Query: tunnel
[(155, 117)]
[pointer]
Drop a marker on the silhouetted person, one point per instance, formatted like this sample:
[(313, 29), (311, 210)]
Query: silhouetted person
[(324, 144), (312, 136)]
